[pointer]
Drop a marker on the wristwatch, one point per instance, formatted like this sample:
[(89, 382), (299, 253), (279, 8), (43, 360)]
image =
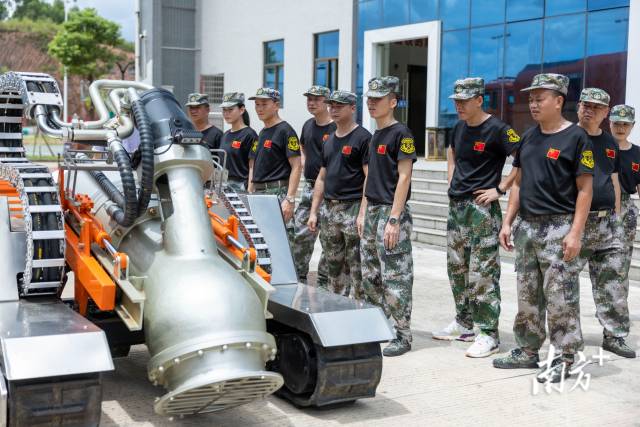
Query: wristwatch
[(393, 220), (502, 193), (290, 199)]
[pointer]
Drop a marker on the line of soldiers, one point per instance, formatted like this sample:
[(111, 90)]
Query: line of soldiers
[(355, 194), (569, 205)]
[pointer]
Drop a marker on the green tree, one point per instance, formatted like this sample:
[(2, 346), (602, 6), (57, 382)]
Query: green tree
[(85, 44), (39, 10), (4, 10)]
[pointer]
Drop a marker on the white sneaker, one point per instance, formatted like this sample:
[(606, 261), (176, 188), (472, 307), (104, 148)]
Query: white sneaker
[(454, 331), (483, 346)]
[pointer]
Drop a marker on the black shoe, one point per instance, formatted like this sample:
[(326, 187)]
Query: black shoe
[(618, 346), (396, 347), (558, 371), (517, 359)]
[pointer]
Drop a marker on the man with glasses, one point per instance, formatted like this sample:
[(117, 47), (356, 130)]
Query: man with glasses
[(602, 244)]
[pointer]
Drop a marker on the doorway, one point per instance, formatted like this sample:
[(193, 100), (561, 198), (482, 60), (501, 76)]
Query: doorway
[(407, 60)]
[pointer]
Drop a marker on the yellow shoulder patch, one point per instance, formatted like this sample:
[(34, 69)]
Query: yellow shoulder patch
[(587, 159), (513, 136), (293, 144), (407, 146), (254, 147)]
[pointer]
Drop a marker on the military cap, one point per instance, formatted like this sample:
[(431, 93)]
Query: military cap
[(383, 86), (595, 96), (266, 93), (623, 113), (341, 97), (468, 88), (231, 99), (551, 81), (195, 99), (317, 90)]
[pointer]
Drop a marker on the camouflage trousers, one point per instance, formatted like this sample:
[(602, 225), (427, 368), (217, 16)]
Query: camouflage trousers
[(629, 218), (387, 274), (473, 263), (602, 248), (341, 247), (281, 192), (305, 239), (548, 287)]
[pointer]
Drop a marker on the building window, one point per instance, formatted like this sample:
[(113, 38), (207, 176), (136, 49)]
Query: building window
[(274, 66), (325, 66)]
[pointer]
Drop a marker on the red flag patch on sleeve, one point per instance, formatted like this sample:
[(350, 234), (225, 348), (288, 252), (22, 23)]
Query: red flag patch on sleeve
[(635, 167)]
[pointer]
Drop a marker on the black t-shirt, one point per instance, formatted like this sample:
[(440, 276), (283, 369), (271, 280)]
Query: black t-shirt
[(272, 151), (629, 173), (549, 165), (238, 145), (343, 158), (605, 153), (388, 146), (212, 136), (312, 138), (480, 153)]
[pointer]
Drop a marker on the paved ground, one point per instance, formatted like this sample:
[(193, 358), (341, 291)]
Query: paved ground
[(432, 385)]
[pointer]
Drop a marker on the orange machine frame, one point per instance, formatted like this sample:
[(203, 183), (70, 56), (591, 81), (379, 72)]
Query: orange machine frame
[(91, 280)]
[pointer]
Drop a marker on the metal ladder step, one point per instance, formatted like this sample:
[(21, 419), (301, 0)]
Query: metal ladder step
[(42, 285), (12, 135), (9, 105), (12, 150), (44, 208), (35, 175), (43, 263), (7, 119), (48, 235), (40, 189)]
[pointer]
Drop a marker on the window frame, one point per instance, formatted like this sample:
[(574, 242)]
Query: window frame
[(275, 66), (333, 62)]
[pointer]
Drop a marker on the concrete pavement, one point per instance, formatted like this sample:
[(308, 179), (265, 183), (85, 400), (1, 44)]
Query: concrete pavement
[(434, 384)]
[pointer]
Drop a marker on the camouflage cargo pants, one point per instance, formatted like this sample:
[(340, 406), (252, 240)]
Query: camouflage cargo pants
[(305, 239), (629, 218), (281, 192), (387, 274), (473, 263), (548, 287), (602, 248), (341, 247)]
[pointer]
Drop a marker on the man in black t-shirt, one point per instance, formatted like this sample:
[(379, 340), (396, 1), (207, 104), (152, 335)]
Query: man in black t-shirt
[(602, 242), (274, 161), (385, 222), (340, 182), (552, 194), (198, 107), (315, 133), (479, 147)]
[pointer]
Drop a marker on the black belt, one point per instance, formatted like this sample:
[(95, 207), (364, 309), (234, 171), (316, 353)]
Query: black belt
[(271, 184), (601, 213), (337, 201), (377, 203)]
